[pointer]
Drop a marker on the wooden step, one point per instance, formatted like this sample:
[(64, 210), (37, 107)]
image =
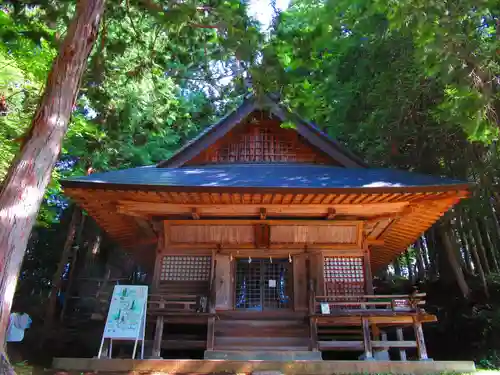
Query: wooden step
[(260, 323), (262, 332), (232, 315), (178, 344), (262, 348), (261, 354), (243, 343)]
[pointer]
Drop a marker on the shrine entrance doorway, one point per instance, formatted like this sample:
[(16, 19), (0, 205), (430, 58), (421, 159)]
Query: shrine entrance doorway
[(263, 284)]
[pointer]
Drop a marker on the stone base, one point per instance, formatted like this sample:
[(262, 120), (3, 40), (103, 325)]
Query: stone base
[(279, 356), (77, 366)]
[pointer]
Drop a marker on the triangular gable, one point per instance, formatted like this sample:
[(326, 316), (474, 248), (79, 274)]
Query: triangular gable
[(311, 137)]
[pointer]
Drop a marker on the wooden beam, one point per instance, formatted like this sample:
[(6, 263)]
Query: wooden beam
[(375, 242), (369, 210), (342, 223), (145, 226), (394, 344)]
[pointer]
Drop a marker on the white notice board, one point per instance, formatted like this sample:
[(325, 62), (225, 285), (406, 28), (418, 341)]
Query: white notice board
[(126, 318)]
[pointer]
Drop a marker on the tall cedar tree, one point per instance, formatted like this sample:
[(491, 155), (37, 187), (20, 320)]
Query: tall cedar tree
[(29, 174)]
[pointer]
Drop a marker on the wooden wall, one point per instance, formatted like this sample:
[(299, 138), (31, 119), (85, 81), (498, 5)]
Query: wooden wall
[(261, 140), (272, 234), (208, 249)]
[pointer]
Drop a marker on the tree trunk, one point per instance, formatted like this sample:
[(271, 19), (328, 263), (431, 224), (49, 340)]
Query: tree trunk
[(397, 267), (495, 221), (420, 270), (30, 172), (56, 279), (466, 247), (483, 225), (480, 245), (479, 267), (72, 268), (425, 252), (475, 256), (432, 251), (453, 261), (409, 266)]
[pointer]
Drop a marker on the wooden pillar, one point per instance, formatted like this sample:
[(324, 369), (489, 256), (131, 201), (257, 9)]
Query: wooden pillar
[(366, 339), (160, 248), (158, 336), (155, 285), (211, 333), (419, 337), (368, 269), (400, 337), (313, 324)]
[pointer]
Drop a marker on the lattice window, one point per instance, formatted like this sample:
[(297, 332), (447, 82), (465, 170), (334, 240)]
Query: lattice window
[(344, 276), (185, 268)]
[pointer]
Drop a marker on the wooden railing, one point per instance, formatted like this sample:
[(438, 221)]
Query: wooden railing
[(401, 302), (158, 303), (367, 312), (162, 305)]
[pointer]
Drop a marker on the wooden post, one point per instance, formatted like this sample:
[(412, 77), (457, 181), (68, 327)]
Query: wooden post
[(366, 339), (400, 337), (211, 333), (419, 337), (368, 269), (212, 289), (376, 332), (158, 336), (313, 325)]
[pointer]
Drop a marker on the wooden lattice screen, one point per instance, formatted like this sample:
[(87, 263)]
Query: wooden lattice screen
[(185, 268), (261, 146), (344, 276), (261, 142)]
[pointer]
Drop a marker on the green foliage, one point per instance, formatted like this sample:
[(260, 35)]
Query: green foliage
[(155, 79), (377, 75)]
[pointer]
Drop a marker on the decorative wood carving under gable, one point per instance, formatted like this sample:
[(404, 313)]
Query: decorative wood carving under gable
[(261, 139)]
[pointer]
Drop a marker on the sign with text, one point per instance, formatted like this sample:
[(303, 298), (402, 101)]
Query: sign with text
[(325, 308), (127, 313)]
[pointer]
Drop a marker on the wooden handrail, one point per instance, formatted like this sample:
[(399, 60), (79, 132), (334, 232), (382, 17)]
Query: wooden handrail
[(412, 302), (376, 296), (350, 303), (172, 296)]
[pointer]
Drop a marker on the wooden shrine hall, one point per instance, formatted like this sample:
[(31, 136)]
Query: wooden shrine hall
[(262, 240)]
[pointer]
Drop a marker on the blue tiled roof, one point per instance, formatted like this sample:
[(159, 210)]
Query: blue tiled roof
[(298, 176)]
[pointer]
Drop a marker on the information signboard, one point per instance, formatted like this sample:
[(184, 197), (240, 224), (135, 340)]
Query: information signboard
[(126, 318)]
